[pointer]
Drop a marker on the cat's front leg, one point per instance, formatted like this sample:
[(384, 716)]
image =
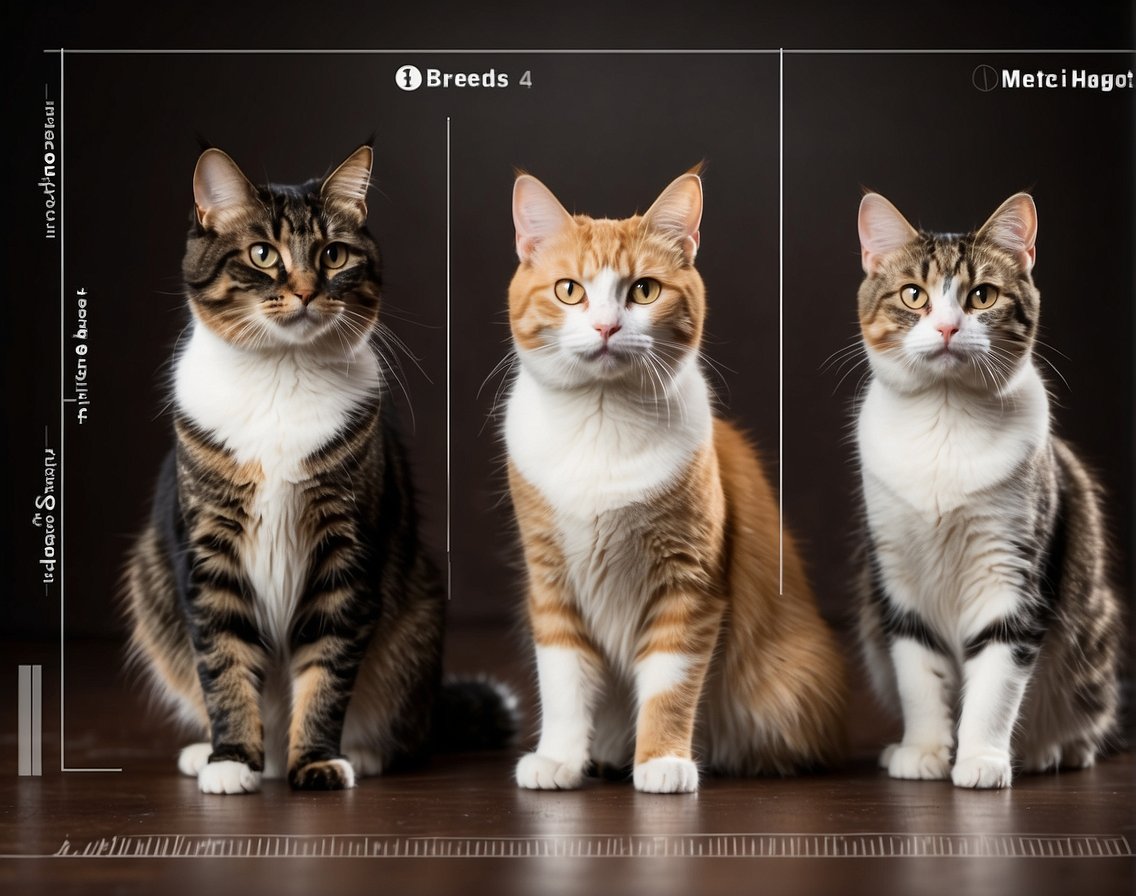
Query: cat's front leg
[(669, 674), (569, 675), (569, 667), (926, 680), (568, 679), (230, 667), (328, 646), (998, 662)]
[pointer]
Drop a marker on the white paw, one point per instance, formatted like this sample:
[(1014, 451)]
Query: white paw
[(986, 770), (536, 772), (192, 759), (365, 761), (667, 774), (916, 762), (228, 776)]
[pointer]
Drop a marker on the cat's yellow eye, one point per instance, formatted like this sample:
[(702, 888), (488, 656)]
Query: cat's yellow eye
[(263, 255), (645, 291), (982, 297), (913, 297), (569, 292), (334, 256)]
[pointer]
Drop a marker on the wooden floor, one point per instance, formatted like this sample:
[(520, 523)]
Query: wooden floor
[(460, 825)]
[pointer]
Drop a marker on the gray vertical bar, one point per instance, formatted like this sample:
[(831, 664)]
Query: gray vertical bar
[(25, 716), (37, 720)]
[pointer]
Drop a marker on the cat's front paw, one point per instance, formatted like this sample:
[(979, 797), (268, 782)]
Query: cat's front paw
[(228, 776), (323, 774), (537, 772), (917, 762), (984, 771), (667, 774), (192, 759)]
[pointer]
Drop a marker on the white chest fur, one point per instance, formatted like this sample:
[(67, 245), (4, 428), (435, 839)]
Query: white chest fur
[(594, 454), (933, 450), (944, 507), (592, 450), (274, 408)]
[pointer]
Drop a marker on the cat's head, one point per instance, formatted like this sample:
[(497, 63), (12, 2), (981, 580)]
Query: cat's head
[(283, 266), (948, 307), (597, 300)]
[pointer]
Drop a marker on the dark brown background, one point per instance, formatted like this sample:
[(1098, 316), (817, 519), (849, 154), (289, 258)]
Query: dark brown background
[(606, 133)]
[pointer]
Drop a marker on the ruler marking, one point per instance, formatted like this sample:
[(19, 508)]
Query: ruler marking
[(875, 845)]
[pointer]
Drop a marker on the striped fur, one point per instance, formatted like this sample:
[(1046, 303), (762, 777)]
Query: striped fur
[(649, 529), (280, 597), (984, 580)]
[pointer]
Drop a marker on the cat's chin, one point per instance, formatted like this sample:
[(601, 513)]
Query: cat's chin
[(946, 361), (299, 332), (605, 366)]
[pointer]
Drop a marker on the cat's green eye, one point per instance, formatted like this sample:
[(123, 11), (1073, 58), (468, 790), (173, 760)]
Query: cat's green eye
[(982, 297), (569, 292), (645, 291), (263, 255), (334, 256), (913, 297)]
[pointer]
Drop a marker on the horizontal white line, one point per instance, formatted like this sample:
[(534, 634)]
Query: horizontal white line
[(722, 51)]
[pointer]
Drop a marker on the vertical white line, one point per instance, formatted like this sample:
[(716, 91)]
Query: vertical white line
[(781, 321), (37, 720), (61, 476), (449, 380), (62, 421)]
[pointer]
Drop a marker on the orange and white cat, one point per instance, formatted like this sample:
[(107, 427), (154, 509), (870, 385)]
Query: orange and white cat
[(650, 532)]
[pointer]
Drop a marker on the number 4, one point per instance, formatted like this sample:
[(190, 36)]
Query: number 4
[(526, 79)]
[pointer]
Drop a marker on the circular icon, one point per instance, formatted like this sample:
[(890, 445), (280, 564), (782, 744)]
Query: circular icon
[(408, 77), (985, 78)]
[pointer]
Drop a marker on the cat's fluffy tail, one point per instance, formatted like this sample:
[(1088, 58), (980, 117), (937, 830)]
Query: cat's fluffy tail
[(474, 714)]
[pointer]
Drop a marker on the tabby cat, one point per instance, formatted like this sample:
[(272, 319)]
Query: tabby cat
[(280, 596), (984, 586), (650, 533)]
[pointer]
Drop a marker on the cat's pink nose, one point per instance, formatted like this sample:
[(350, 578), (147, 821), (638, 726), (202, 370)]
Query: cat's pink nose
[(303, 286), (948, 330), (606, 331)]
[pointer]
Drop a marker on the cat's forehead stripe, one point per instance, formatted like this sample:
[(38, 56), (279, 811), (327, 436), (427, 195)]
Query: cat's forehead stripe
[(603, 285)]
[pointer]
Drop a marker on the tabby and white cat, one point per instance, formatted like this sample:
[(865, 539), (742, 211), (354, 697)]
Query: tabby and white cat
[(280, 596), (650, 532), (984, 586)]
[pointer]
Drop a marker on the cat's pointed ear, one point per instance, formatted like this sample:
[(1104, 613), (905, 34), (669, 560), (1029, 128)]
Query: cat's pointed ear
[(220, 189), (537, 215), (1014, 228), (677, 213), (347, 185), (882, 230)]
